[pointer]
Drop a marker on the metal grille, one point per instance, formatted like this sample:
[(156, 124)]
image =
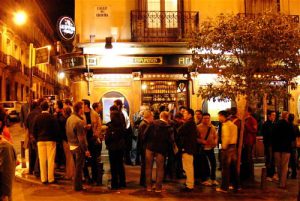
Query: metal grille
[(162, 26)]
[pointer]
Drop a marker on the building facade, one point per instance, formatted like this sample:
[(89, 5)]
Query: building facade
[(136, 50), (15, 52)]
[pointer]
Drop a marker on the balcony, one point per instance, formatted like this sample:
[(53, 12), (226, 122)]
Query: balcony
[(162, 26), (3, 58), (13, 64), (294, 18)]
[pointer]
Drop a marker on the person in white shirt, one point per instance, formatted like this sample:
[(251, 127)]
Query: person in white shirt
[(229, 135)]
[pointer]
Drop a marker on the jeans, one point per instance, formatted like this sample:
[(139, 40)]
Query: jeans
[(282, 164), (70, 167), (247, 168), (270, 163), (47, 151), (188, 167), (79, 157), (210, 154), (160, 160), (117, 169), (95, 149), (229, 159)]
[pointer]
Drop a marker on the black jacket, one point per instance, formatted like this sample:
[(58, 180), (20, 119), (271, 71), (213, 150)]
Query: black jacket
[(46, 128), (158, 137), (115, 137), (268, 129), (141, 134), (283, 137), (188, 137)]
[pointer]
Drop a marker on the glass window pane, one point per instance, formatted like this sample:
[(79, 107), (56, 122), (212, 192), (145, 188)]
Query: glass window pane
[(171, 14), (153, 18)]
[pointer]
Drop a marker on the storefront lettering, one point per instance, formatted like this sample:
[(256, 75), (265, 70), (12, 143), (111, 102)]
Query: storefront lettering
[(102, 11), (184, 60)]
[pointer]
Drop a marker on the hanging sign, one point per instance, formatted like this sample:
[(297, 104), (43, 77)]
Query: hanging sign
[(66, 28)]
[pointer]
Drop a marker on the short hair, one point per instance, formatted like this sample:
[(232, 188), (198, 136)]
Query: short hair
[(182, 107), (113, 108), (77, 107), (68, 111), (147, 114), (269, 112), (224, 113), (284, 114), (44, 106), (60, 104), (199, 111), (178, 115), (95, 105), (291, 118), (233, 111), (190, 111), (164, 115), (86, 102), (118, 102), (250, 110), (34, 104), (206, 114), (68, 102), (162, 108)]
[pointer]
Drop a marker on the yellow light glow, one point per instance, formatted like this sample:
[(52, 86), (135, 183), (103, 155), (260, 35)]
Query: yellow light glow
[(144, 86), (49, 47), (61, 75), (20, 18)]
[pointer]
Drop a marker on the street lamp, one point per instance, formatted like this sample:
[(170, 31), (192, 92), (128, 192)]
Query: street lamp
[(20, 17)]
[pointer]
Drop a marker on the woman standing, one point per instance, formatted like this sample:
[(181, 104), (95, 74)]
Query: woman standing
[(115, 142)]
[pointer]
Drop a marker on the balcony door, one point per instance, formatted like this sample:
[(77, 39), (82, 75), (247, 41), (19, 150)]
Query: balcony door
[(162, 14), (260, 6)]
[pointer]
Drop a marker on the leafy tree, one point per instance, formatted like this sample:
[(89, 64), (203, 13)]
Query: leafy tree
[(253, 55)]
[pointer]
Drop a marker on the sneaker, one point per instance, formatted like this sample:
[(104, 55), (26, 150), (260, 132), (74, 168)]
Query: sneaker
[(149, 189), (214, 182), (275, 177), (269, 179), (207, 183), (158, 190), (221, 190)]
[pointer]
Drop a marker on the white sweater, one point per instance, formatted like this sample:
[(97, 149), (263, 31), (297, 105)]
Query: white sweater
[(229, 134)]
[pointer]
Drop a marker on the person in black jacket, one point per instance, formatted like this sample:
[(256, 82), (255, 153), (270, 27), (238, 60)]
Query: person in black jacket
[(45, 132), (158, 138), (115, 143), (188, 147), (293, 158), (282, 146), (268, 129)]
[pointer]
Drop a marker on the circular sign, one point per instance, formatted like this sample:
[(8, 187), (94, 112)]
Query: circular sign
[(66, 28)]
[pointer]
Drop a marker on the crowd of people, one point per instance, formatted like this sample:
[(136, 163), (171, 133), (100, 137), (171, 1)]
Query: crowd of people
[(182, 145)]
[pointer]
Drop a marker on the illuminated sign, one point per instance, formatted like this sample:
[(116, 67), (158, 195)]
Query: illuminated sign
[(66, 28), (42, 55), (102, 11)]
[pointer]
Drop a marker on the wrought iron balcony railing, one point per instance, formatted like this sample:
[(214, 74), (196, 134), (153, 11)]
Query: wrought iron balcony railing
[(163, 26), (294, 18)]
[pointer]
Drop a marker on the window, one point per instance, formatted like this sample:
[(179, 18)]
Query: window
[(259, 6), (162, 13)]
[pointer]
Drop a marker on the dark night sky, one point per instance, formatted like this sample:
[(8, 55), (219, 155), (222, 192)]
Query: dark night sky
[(58, 8)]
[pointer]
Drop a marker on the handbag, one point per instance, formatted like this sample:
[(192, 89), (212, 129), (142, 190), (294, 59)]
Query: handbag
[(200, 146)]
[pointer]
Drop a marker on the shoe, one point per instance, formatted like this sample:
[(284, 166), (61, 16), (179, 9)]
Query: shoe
[(269, 179), (207, 183), (149, 189), (221, 190), (45, 182), (230, 187), (275, 177), (186, 189), (214, 182), (158, 191), (81, 189), (53, 182)]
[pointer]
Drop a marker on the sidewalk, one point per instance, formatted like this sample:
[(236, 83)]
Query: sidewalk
[(172, 189)]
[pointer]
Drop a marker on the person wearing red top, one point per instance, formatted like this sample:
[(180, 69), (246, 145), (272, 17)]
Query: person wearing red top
[(247, 167)]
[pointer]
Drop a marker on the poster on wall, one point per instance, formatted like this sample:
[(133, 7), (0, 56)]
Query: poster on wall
[(107, 103)]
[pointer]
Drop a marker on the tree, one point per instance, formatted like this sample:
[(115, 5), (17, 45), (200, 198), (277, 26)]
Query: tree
[(253, 55)]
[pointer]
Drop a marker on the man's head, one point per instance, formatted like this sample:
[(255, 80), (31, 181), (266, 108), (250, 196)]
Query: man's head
[(178, 117), (86, 104), (44, 106), (164, 115), (223, 115), (291, 118), (59, 104), (198, 115), (78, 108), (68, 103), (271, 115), (148, 115), (97, 107), (188, 114), (114, 108), (206, 119), (182, 109), (118, 103), (285, 115)]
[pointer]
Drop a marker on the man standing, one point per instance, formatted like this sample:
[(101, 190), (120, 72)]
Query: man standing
[(93, 127), (268, 129), (198, 117), (229, 152), (188, 147), (208, 138), (77, 140), (247, 168), (157, 139), (282, 147), (147, 119), (46, 134)]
